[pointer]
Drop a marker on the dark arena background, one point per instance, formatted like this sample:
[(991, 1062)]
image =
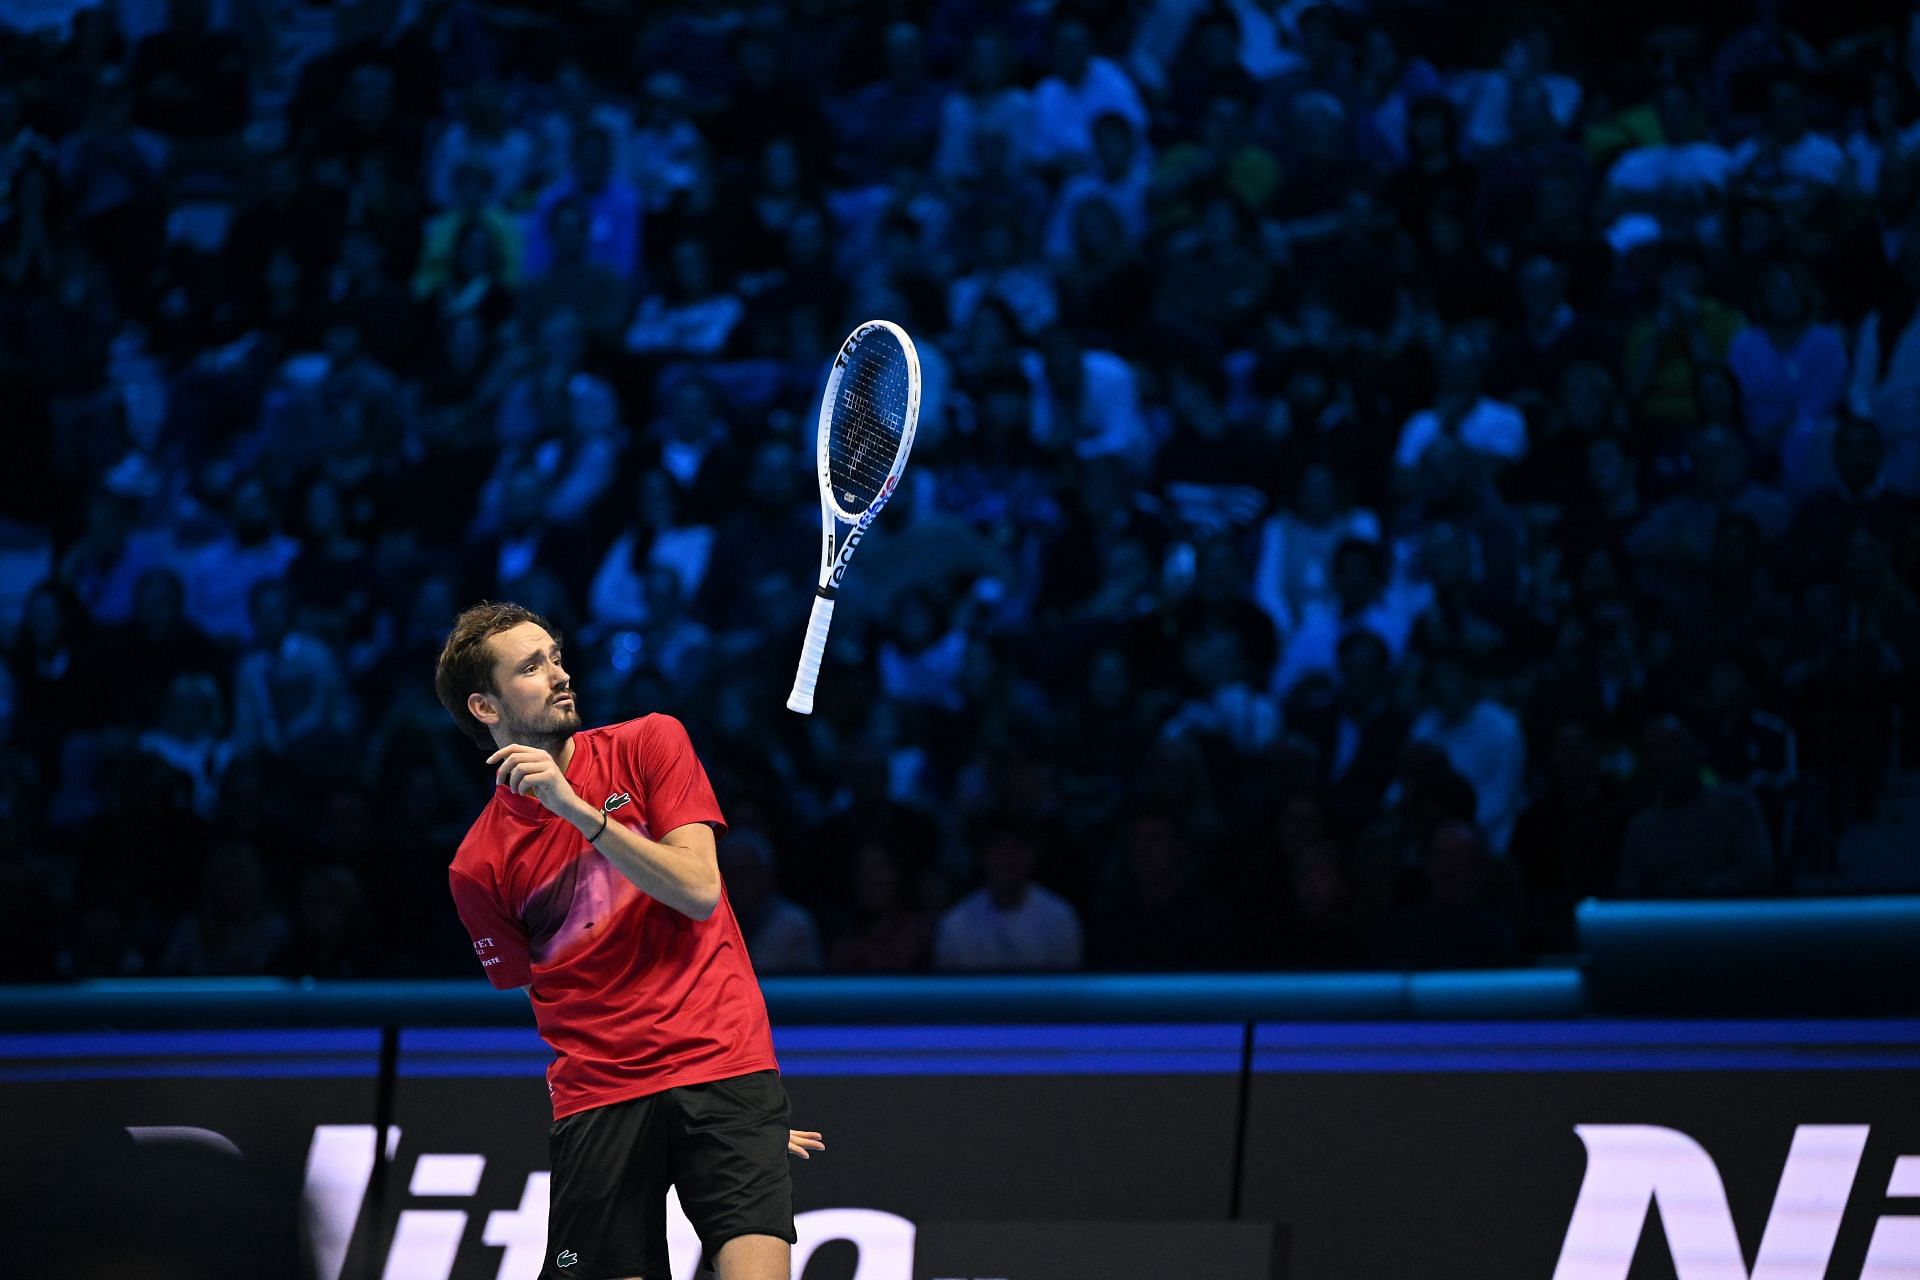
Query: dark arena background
[(1377, 739)]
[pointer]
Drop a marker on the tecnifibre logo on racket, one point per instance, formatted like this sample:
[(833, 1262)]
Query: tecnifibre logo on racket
[(858, 532)]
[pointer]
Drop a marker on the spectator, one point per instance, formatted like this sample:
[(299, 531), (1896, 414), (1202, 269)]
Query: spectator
[(470, 255), (1434, 177), (693, 435), (694, 316), (1740, 611), (1697, 838), (1885, 384), (1787, 161), (1389, 82), (1481, 739), (1154, 915), (663, 152), (222, 573), (895, 119), (1491, 428), (760, 536), (1295, 570), (1010, 922), (612, 207), (1688, 331), (169, 643), (482, 145), (1226, 705), (1859, 498), (1368, 730), (1862, 636), (1216, 279), (1566, 844), (1022, 290), (1326, 928), (189, 79), (781, 934), (1684, 168), (890, 932), (1490, 99), (1887, 141), (290, 694), (921, 661), (987, 106), (572, 280), (330, 937), (1117, 176), (1086, 403), (1676, 538), (110, 919), (474, 277), (657, 538), (1791, 370), (1529, 364), (558, 423), (236, 929), (1083, 87), (190, 737), (1364, 600), (1105, 286), (56, 668), (1460, 925)]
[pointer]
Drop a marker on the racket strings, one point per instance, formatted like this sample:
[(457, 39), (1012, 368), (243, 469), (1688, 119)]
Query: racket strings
[(869, 418)]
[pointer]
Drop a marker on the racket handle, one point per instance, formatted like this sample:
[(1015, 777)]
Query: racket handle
[(801, 699)]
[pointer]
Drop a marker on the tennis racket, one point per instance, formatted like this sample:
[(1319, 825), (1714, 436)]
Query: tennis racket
[(867, 419)]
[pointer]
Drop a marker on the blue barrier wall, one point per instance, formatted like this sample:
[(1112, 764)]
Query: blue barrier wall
[(1248, 1150), (271, 1002), (1801, 956)]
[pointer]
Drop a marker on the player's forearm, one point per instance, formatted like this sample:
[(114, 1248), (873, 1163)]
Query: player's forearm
[(680, 878)]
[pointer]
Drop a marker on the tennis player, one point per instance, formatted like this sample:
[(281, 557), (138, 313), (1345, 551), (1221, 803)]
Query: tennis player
[(590, 882)]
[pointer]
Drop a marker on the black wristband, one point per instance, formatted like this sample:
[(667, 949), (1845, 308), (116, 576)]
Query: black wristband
[(602, 829)]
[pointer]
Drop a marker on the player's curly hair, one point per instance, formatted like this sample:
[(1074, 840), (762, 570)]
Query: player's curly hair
[(466, 661)]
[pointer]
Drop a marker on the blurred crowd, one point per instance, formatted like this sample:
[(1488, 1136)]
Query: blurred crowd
[(1388, 470)]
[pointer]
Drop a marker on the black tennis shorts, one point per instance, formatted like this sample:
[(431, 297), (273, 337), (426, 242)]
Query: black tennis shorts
[(722, 1145)]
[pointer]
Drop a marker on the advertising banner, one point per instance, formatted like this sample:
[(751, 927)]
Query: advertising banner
[(1598, 1150), (1590, 1151), (1012, 1151)]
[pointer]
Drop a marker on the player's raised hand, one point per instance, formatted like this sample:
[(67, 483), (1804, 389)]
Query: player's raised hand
[(801, 1141), (529, 771)]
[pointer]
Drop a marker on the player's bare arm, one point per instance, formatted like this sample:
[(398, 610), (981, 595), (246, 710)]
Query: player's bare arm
[(681, 869)]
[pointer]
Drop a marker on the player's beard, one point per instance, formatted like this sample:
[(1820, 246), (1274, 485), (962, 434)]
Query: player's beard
[(549, 729)]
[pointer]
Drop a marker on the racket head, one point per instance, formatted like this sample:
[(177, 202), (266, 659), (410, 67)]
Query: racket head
[(868, 416)]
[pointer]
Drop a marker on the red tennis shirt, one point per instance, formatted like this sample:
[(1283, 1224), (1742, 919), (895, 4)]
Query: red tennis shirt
[(632, 996)]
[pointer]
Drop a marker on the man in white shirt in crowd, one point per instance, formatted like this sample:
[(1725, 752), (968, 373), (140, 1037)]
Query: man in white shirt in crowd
[(1083, 87), (1461, 411), (1481, 740), (1788, 160), (1010, 922), (1683, 168), (1087, 401)]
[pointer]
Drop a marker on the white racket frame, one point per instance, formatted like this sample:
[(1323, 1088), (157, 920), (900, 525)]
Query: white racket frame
[(836, 551)]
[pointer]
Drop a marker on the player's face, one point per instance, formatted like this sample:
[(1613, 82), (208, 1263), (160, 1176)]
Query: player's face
[(536, 698)]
